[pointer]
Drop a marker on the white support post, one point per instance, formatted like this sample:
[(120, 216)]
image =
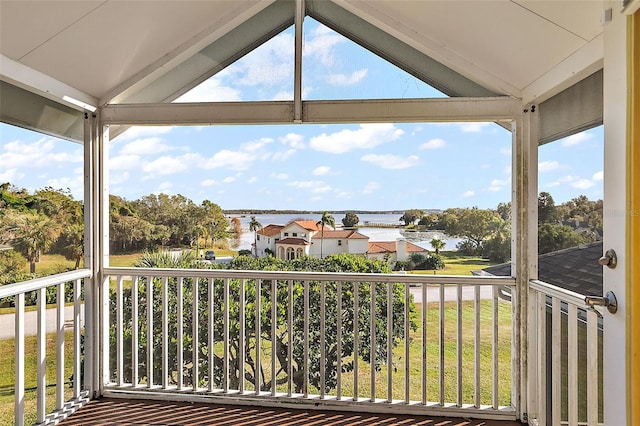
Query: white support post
[(90, 169), (525, 258), (297, 63), (102, 255)]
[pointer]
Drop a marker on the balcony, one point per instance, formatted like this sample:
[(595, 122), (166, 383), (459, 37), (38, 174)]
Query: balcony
[(427, 347)]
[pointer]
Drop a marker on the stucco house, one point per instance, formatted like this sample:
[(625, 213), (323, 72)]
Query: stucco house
[(305, 238)]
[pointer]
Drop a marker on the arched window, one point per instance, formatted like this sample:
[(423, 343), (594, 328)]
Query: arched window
[(290, 254), (299, 252)]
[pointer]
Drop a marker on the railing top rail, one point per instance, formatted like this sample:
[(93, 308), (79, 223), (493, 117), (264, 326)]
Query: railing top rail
[(38, 283), (313, 276), (558, 292)]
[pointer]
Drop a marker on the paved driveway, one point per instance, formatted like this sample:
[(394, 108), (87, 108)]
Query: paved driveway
[(7, 322)]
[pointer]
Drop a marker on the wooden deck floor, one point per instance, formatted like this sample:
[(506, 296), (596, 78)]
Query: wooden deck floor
[(139, 412)]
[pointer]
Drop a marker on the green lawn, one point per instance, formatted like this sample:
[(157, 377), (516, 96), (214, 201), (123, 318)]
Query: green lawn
[(456, 264), (7, 376)]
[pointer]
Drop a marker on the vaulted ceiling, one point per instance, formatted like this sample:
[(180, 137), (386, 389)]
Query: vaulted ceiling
[(54, 53)]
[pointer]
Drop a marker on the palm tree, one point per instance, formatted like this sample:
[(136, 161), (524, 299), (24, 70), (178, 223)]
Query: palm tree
[(437, 244), (30, 235), (326, 219), (255, 226)]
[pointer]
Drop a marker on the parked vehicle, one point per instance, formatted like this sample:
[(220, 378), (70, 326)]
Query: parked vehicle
[(210, 255)]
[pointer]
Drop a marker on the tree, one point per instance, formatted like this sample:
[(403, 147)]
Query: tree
[(504, 210), (546, 208), (350, 220), (30, 234), (474, 225), (302, 320), (437, 245), (552, 237), (325, 220), (410, 216), (255, 226), (72, 243), (429, 221)]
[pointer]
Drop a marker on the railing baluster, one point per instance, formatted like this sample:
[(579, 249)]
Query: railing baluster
[(149, 331), (356, 343), (258, 324), (424, 344), (274, 329), (556, 354), (407, 338), (476, 305), (339, 340), (572, 355), (135, 328), (77, 385), (390, 343), (165, 332), (495, 394), (119, 332), (59, 345), (441, 341), (372, 341), (225, 365), (542, 359), (322, 338), (210, 329), (195, 369), (180, 331), (19, 368), (290, 337), (459, 346), (593, 386), (305, 386), (241, 336), (42, 355)]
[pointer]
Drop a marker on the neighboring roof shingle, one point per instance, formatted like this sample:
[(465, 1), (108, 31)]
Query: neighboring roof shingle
[(575, 268), (271, 230), (293, 242), (345, 234), (310, 225)]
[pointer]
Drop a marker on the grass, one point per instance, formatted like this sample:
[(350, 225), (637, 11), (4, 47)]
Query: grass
[(456, 264), (7, 376)]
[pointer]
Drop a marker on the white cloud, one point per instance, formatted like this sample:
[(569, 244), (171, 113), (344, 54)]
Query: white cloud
[(433, 144), (167, 165), (315, 186), (598, 176), (505, 151), (209, 182), (234, 160), (390, 161), (268, 65), (582, 183), (320, 45), (252, 179), (371, 187), (294, 140), (366, 136), (472, 127), (118, 178), (228, 179), (41, 153), (74, 183), (145, 146), (321, 170), (211, 90), (576, 139), (138, 132), (257, 144), (467, 194), (347, 79), (125, 162), (283, 155), (577, 182), (497, 185), (547, 166), (281, 176), (10, 175)]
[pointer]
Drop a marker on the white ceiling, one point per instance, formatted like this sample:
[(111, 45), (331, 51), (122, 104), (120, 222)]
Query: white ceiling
[(528, 49)]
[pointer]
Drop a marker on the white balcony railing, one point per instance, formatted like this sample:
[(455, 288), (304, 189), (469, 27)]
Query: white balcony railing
[(335, 341), (65, 399), (568, 346)]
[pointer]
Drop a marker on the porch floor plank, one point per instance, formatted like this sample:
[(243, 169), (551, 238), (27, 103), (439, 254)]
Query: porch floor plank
[(109, 411)]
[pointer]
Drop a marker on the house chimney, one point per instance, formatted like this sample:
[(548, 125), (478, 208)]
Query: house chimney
[(401, 249)]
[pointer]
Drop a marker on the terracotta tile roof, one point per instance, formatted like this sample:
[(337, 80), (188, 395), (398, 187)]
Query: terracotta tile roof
[(341, 233), (271, 230), (293, 242), (390, 247), (311, 225)]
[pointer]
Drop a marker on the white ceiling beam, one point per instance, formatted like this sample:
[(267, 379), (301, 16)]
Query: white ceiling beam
[(573, 69), (183, 52), (346, 111), (34, 81)]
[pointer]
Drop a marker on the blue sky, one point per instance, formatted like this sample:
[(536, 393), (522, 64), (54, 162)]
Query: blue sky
[(387, 166)]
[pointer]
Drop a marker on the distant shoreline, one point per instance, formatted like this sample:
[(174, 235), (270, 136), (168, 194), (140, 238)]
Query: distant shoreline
[(265, 212)]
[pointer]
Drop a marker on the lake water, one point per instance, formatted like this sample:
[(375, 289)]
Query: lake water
[(374, 234)]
